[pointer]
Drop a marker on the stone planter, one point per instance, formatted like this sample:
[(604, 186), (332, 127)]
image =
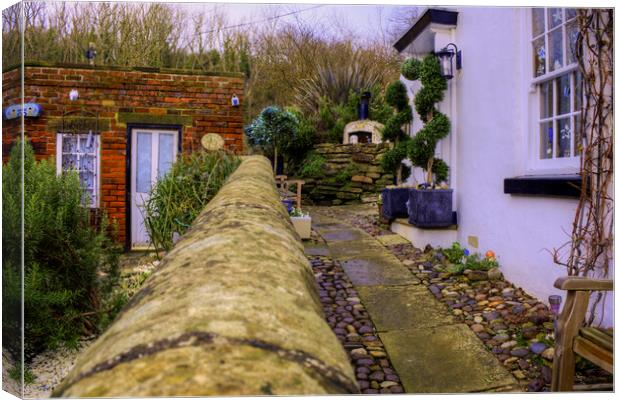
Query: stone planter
[(302, 226), (430, 208), (395, 202)]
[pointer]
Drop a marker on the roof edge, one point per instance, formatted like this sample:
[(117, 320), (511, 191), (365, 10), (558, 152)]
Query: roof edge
[(431, 16)]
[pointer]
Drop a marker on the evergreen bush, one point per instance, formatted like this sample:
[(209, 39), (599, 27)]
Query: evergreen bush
[(69, 266), (396, 96), (436, 125), (177, 198)]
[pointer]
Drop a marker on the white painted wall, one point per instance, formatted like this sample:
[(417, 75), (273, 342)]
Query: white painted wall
[(490, 136)]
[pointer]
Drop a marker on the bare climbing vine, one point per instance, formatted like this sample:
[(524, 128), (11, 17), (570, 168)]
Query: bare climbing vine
[(590, 247)]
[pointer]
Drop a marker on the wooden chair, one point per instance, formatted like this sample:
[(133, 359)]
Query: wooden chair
[(283, 184), (595, 345)]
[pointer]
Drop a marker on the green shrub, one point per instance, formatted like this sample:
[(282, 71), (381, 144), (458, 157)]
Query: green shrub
[(312, 166), (69, 267), (455, 253), (436, 124), (177, 198), (409, 69), (392, 161)]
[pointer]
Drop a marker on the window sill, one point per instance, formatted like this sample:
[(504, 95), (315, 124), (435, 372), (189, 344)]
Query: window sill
[(544, 185)]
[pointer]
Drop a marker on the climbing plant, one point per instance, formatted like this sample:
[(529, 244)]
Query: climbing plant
[(421, 150), (396, 96), (591, 245)]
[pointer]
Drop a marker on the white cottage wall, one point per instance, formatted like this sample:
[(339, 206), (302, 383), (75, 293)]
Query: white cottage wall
[(492, 110)]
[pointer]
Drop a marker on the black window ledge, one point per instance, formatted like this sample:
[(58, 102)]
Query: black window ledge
[(544, 185)]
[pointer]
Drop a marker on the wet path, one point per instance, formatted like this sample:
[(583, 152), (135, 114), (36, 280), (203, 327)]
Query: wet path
[(430, 351)]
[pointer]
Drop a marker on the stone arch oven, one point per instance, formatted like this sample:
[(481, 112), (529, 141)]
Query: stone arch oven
[(363, 130)]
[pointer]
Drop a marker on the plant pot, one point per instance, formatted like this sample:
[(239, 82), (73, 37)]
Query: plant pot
[(302, 226), (288, 203), (430, 208), (395, 202)]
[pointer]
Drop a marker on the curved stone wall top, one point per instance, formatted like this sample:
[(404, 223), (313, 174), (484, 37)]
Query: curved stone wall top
[(232, 310), (364, 125)]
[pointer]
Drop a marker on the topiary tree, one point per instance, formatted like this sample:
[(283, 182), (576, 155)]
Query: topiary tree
[(275, 130), (421, 150), (396, 96)]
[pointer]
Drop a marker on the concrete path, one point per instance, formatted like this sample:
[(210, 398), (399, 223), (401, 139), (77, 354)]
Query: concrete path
[(429, 350)]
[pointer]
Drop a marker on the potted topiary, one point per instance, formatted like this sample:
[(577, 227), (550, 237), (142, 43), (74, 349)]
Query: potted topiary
[(430, 204), (302, 222), (394, 198)]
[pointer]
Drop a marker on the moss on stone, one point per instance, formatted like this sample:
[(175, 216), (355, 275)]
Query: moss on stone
[(239, 286)]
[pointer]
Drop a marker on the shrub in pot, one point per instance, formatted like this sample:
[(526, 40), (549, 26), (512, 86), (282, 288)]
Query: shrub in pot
[(395, 198), (430, 205)]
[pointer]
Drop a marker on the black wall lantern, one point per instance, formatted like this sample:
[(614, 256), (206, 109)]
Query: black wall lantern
[(445, 56)]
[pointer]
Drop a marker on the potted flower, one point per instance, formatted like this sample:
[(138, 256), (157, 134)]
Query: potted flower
[(394, 198), (430, 205), (302, 222)]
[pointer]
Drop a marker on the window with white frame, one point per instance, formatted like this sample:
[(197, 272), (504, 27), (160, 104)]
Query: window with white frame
[(80, 152), (559, 87)]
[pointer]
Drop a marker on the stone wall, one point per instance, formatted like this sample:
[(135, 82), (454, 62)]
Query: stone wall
[(111, 100), (233, 310), (352, 174)]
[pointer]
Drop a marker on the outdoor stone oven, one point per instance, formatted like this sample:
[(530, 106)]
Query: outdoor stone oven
[(121, 127)]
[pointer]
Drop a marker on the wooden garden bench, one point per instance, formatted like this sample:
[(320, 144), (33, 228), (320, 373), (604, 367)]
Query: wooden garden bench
[(283, 184), (593, 344)]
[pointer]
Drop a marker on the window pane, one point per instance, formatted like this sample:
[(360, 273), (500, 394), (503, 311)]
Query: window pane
[(546, 100), (546, 139), (572, 32), (69, 161), (570, 13), (87, 179), (578, 91), (564, 138), (69, 143), (563, 94), (166, 143), (578, 139), (555, 49), (87, 163), (555, 17), (538, 21), (143, 164), (539, 56)]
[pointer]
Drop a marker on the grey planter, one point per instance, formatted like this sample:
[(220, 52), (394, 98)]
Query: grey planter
[(395, 202), (430, 208)]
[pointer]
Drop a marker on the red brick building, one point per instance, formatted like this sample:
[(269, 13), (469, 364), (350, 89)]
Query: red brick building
[(121, 127)]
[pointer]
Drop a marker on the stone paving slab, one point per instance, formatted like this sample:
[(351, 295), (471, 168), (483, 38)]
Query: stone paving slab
[(391, 240), (355, 249), (316, 250), (403, 307), (322, 224), (444, 359), (377, 270), (344, 235)]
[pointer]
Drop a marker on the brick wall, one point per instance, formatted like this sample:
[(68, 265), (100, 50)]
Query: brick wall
[(112, 98)]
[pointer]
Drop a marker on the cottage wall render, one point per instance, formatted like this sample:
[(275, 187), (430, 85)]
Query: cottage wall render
[(492, 136), (113, 98)]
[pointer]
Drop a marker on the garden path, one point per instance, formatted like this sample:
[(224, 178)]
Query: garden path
[(430, 351)]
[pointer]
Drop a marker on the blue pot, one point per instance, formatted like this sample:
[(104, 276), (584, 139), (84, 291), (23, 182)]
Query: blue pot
[(395, 202), (288, 203)]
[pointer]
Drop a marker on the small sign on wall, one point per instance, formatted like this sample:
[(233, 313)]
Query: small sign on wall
[(15, 111)]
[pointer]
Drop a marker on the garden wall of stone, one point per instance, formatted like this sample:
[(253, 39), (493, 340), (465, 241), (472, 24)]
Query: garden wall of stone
[(353, 174), (232, 310)]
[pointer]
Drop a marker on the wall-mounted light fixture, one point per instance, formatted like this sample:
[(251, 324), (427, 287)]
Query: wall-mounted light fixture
[(234, 100), (445, 56), (73, 95)]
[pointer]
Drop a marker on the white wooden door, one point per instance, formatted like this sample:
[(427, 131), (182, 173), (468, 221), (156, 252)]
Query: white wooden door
[(152, 153)]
